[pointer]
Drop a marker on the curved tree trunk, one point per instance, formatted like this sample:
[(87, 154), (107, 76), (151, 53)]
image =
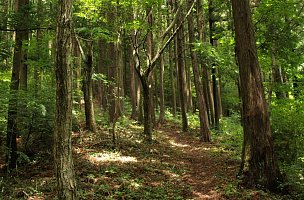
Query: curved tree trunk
[(64, 168), (259, 166)]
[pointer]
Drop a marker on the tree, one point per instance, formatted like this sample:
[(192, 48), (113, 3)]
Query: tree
[(259, 165), (18, 80), (203, 116), (65, 176), (144, 74), (87, 84), (182, 73)]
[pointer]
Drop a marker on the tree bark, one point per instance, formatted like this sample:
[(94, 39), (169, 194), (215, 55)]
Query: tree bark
[(182, 77), (24, 34), (259, 166), (215, 86), (150, 50), (201, 24), (103, 67), (203, 115), (87, 87), (18, 81), (120, 74), (77, 69), (64, 168), (112, 76), (133, 92), (161, 92), (147, 109)]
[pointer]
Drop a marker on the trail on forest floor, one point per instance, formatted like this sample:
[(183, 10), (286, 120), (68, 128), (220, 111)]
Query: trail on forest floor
[(209, 168), (176, 166)]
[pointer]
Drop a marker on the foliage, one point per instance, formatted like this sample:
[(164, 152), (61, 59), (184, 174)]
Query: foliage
[(288, 131), (231, 134)]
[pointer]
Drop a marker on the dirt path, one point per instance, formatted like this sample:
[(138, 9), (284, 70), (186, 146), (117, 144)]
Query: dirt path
[(209, 168), (176, 166)]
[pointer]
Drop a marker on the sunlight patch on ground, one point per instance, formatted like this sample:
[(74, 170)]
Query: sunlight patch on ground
[(173, 143), (211, 195), (170, 174), (135, 126), (111, 157)]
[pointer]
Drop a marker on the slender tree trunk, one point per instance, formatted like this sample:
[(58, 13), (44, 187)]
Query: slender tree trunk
[(182, 77), (214, 70), (11, 142), (120, 74), (77, 67), (172, 69), (201, 24), (133, 92), (104, 59), (112, 76), (17, 80), (37, 71), (203, 115), (161, 92), (259, 166), (147, 109), (173, 81), (64, 168), (87, 87), (150, 49), (24, 34), (189, 83)]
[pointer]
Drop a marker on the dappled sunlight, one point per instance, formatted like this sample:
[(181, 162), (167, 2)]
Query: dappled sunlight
[(174, 144), (110, 157), (135, 126), (170, 174), (211, 195)]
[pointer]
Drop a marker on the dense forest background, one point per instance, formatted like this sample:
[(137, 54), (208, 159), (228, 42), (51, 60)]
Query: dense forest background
[(107, 72)]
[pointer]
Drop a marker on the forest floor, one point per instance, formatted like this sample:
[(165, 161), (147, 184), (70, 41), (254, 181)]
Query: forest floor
[(176, 166)]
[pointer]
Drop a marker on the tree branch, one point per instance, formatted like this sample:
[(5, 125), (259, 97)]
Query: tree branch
[(161, 50)]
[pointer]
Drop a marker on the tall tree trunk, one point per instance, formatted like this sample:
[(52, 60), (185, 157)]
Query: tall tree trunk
[(64, 168), (103, 67), (172, 62), (87, 87), (18, 79), (161, 92), (112, 76), (201, 24), (189, 82), (120, 74), (147, 109), (203, 115), (150, 49), (182, 76), (259, 166), (11, 142), (37, 71), (133, 92), (214, 70), (77, 67), (24, 10)]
